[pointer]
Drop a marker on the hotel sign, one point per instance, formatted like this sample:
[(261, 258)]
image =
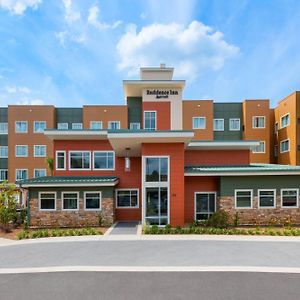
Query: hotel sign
[(161, 93)]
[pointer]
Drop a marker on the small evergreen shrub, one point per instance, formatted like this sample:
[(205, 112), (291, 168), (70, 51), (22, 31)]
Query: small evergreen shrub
[(219, 219)]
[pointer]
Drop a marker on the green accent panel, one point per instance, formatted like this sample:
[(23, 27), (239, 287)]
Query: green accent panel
[(3, 140), (134, 110), (69, 115), (228, 111), (229, 184), (3, 163), (3, 114), (107, 192)]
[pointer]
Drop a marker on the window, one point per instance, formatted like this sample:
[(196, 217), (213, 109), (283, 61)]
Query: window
[(63, 126), (199, 122), (135, 126), (39, 151), (104, 160), (289, 198), (21, 150), (114, 125), (267, 198), (39, 173), (3, 174), (3, 128), (205, 205), (243, 198), (95, 125), (218, 124), (92, 200), (234, 124), (285, 121), (77, 126), (259, 122), (150, 120), (156, 169), (21, 174), (3, 151), (284, 146), (127, 199), (260, 148), (70, 200), (39, 126), (60, 160), (47, 201), (21, 126), (80, 160)]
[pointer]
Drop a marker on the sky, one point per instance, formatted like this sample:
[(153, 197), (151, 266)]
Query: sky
[(70, 53)]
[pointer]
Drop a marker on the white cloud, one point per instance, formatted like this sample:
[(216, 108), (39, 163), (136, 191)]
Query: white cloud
[(15, 90), (192, 50), (71, 15), (63, 36), (93, 19), (28, 101), (18, 7)]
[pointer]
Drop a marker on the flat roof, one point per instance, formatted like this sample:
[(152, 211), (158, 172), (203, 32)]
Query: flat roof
[(222, 145)]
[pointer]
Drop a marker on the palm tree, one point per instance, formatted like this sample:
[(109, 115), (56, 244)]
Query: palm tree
[(50, 163)]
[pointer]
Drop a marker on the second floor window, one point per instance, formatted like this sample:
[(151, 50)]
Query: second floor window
[(77, 126), (39, 150), (3, 128), (199, 122), (21, 174), (39, 173), (114, 125), (234, 124), (3, 151), (3, 174), (218, 124), (63, 126), (260, 148), (96, 125), (21, 126), (21, 150), (80, 160), (60, 160), (135, 126), (258, 122), (104, 160), (284, 146), (39, 126), (150, 120)]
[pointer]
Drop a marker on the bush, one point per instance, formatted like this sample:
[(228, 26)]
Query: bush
[(219, 219)]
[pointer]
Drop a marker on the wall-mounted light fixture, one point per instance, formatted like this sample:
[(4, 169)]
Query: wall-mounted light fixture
[(127, 160)]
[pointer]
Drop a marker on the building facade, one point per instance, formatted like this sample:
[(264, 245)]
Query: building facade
[(158, 159)]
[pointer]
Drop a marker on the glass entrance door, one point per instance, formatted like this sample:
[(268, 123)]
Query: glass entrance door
[(205, 205), (157, 205)]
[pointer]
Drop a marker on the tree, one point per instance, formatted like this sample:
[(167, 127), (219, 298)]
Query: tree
[(8, 206), (50, 163)]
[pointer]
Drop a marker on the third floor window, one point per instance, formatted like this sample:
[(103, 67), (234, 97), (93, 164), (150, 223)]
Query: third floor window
[(150, 120), (199, 122), (258, 122), (3, 128), (39, 126), (21, 126), (285, 121)]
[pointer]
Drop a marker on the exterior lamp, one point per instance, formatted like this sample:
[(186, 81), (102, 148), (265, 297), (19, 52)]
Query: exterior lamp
[(127, 160)]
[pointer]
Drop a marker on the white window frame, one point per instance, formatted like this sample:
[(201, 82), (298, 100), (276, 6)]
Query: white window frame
[(5, 171), (62, 201), (281, 193), (253, 118), (21, 170), (16, 152), (84, 201), (266, 190), (5, 125), (234, 119), (39, 170), (96, 122), (199, 117), (222, 129), (5, 149), (21, 131), (288, 124), (35, 146), (135, 123), (80, 151), (235, 198), (195, 201), (128, 207), (144, 119), (64, 123), (56, 160), (77, 123), (55, 200), (281, 142), (110, 122), (264, 143), (103, 151), (37, 131)]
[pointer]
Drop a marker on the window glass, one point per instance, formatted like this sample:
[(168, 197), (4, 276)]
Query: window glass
[(76, 126), (60, 160), (95, 125), (260, 148), (3, 128), (79, 160), (199, 122), (135, 126), (3, 174), (70, 201), (3, 151), (234, 124), (21, 126), (39, 150), (114, 125), (127, 198), (93, 200), (63, 126), (39, 173), (284, 146), (39, 126), (289, 198), (104, 160), (150, 120), (285, 121), (156, 169), (259, 122), (243, 198), (21, 174), (47, 201), (218, 124), (21, 150), (266, 198)]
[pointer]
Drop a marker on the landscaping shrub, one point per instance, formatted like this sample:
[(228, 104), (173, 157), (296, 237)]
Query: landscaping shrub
[(219, 219)]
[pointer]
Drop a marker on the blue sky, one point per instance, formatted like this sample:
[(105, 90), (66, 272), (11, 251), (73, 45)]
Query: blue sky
[(75, 52)]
